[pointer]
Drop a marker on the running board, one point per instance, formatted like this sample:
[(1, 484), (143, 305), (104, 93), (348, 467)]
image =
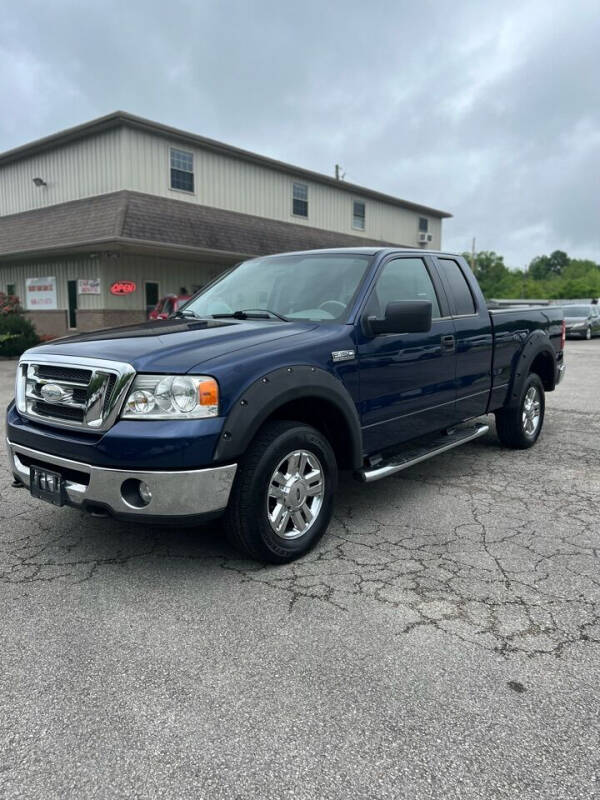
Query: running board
[(409, 458)]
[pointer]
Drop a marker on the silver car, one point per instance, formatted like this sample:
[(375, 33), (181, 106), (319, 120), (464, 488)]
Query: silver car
[(582, 321)]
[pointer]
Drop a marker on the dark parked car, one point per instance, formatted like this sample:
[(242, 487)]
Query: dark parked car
[(582, 321), (285, 370)]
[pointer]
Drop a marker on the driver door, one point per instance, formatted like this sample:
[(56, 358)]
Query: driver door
[(407, 380)]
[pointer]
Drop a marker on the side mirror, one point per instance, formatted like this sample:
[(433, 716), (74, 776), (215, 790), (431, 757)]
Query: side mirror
[(404, 316)]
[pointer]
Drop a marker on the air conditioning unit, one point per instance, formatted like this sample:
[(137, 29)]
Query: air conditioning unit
[(430, 237), (423, 238)]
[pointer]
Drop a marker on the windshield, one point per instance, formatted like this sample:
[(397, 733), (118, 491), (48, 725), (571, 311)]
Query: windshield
[(577, 311), (318, 288)]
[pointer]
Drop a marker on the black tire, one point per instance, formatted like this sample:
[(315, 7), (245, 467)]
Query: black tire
[(510, 423), (246, 520)]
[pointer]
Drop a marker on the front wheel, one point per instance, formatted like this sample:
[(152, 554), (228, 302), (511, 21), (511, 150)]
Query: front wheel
[(588, 334), (520, 427), (282, 498)]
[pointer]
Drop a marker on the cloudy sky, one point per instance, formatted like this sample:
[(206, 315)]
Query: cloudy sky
[(489, 110)]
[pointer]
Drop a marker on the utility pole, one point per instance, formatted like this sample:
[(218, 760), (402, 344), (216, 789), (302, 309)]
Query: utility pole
[(339, 175), (473, 255)]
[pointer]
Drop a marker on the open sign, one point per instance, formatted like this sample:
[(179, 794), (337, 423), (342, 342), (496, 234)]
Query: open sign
[(123, 287)]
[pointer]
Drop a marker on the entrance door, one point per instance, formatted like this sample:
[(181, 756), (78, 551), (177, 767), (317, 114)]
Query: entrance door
[(72, 292), (151, 289), (407, 379)]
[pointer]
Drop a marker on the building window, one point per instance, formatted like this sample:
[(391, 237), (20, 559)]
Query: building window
[(300, 200), (423, 224), (358, 215), (11, 289), (182, 170)]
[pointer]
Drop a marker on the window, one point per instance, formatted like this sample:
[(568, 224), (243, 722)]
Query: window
[(182, 170), (319, 288), (460, 292), (11, 289), (358, 215), (300, 200), (169, 306), (402, 279), (423, 224)]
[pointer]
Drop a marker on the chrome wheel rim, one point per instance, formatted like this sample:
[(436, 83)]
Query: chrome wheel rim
[(295, 494), (532, 411), (588, 334)]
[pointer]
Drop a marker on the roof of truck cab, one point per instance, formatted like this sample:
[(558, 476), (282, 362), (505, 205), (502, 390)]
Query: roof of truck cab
[(366, 251)]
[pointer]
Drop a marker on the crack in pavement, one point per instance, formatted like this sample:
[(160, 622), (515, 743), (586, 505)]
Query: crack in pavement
[(492, 547)]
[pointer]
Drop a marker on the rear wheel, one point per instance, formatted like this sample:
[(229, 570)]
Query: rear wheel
[(282, 498), (520, 427)]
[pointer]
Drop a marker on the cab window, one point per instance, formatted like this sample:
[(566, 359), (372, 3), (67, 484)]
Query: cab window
[(402, 279)]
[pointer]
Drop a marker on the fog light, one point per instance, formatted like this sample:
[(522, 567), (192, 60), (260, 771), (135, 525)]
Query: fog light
[(136, 493), (145, 492)]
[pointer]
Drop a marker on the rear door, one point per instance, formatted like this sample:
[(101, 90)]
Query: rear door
[(407, 385), (474, 338)]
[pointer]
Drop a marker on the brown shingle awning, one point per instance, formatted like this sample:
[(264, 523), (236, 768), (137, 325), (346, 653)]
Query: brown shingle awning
[(129, 217)]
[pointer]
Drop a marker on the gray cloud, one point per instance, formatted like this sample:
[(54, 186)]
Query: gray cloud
[(490, 111)]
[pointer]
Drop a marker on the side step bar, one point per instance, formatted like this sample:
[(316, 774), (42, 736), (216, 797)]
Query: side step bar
[(410, 457)]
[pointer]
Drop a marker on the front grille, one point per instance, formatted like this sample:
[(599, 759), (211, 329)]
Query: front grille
[(75, 393), (51, 373), (58, 412)]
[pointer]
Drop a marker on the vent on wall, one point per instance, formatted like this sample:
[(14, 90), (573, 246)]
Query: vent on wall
[(424, 238)]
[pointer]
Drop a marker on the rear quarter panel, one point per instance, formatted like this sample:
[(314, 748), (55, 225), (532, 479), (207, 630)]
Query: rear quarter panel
[(512, 328)]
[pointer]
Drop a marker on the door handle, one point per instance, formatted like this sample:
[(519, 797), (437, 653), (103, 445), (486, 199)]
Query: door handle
[(449, 343)]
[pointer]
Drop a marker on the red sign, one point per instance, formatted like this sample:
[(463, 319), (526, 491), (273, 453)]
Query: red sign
[(123, 287)]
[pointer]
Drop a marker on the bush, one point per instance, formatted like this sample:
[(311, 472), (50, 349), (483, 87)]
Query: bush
[(17, 333)]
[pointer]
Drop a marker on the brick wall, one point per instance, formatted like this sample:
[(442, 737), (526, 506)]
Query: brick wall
[(54, 323), (49, 323), (107, 318)]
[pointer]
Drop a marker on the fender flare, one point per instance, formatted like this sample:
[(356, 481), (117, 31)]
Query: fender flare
[(537, 342), (263, 397)]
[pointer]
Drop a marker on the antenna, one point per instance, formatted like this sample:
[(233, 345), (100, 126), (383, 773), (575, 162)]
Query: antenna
[(339, 175)]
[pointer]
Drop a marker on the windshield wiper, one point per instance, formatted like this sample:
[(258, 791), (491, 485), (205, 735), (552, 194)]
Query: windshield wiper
[(248, 313)]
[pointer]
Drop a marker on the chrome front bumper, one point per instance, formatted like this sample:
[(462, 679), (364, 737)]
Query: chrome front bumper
[(182, 494)]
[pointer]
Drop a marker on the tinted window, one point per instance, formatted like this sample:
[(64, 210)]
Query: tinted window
[(402, 279), (460, 293), (423, 224)]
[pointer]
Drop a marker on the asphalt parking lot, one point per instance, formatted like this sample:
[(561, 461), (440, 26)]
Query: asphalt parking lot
[(443, 641)]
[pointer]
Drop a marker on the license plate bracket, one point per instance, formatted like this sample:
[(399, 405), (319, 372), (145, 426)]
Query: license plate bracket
[(47, 485)]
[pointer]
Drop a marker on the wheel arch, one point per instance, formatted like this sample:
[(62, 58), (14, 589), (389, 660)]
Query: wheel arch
[(538, 356), (303, 393)]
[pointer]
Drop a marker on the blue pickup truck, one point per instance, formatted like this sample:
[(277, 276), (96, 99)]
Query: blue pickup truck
[(288, 368)]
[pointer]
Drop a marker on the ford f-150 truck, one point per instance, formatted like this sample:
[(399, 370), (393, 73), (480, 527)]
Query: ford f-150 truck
[(247, 402)]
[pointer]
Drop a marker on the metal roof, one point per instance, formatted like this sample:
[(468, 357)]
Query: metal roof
[(122, 118)]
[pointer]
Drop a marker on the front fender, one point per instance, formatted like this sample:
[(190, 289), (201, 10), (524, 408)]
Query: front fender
[(263, 397)]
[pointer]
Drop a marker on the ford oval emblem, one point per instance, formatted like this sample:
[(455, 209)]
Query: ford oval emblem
[(52, 393)]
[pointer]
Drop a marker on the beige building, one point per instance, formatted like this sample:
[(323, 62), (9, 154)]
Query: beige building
[(99, 221)]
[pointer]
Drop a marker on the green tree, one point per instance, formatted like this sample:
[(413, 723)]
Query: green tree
[(490, 270)]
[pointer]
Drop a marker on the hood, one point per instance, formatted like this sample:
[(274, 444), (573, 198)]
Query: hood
[(176, 345)]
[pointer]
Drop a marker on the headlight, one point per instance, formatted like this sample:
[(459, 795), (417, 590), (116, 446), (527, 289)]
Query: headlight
[(578, 325), (172, 397)]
